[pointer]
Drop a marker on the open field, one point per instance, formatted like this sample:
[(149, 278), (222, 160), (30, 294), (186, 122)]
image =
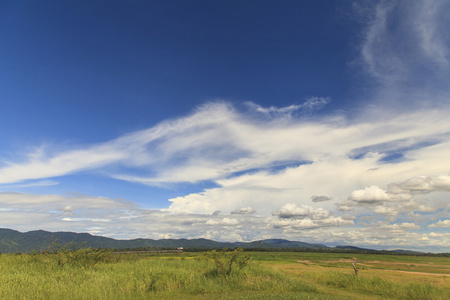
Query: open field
[(379, 276), (269, 275)]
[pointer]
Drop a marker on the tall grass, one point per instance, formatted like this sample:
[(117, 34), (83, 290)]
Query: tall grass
[(41, 277), (216, 275), (379, 286)]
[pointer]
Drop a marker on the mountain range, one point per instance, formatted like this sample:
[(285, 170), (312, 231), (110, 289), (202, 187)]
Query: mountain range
[(12, 241)]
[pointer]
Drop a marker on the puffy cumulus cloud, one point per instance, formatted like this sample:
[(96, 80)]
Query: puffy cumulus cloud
[(407, 226), (265, 190), (376, 195), (441, 223), (437, 203), (386, 210), (243, 211), (422, 184), (291, 217), (222, 235), (156, 223), (224, 221), (303, 224), (396, 226), (291, 210), (118, 218), (379, 235), (401, 197), (293, 223), (124, 220), (371, 195)]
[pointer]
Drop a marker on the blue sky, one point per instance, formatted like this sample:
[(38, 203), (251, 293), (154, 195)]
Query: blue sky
[(230, 120)]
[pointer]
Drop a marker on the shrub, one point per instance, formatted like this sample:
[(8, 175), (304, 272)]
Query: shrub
[(228, 261), (71, 254)]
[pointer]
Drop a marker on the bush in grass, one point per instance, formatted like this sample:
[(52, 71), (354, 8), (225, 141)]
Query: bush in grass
[(227, 262), (73, 255)]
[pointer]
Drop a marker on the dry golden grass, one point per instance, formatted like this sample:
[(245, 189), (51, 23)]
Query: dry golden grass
[(396, 274)]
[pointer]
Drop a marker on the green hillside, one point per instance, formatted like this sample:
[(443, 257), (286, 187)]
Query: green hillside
[(14, 241)]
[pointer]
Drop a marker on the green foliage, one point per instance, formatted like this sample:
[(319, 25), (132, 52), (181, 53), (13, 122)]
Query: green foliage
[(73, 255), (228, 261), (188, 276)]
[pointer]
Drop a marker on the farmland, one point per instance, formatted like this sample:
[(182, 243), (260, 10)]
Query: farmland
[(90, 274)]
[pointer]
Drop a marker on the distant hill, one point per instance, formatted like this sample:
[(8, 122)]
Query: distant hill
[(399, 251), (280, 244), (406, 251), (340, 247), (14, 241)]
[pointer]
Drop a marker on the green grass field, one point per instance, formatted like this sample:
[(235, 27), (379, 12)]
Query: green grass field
[(269, 275)]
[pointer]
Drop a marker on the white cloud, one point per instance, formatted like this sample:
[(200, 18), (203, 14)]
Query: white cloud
[(52, 212), (386, 210), (60, 203), (31, 184), (311, 104), (396, 226), (422, 184), (429, 26), (216, 142), (224, 221), (405, 49), (371, 194), (441, 223), (401, 197), (60, 164), (376, 195), (303, 224), (291, 210), (118, 219)]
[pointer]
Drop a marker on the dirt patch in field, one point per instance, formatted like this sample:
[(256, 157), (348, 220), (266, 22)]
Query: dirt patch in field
[(381, 262), (341, 260), (417, 273), (384, 266), (306, 262), (404, 264)]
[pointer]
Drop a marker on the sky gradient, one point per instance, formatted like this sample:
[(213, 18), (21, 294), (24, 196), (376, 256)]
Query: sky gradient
[(316, 121)]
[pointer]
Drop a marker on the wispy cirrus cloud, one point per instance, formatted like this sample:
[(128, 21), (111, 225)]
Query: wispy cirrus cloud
[(216, 141), (311, 104), (59, 164), (405, 51), (31, 184)]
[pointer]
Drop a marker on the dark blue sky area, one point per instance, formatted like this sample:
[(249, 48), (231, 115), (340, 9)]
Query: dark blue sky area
[(116, 66)]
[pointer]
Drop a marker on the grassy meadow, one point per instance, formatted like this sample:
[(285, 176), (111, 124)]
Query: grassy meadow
[(92, 274)]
